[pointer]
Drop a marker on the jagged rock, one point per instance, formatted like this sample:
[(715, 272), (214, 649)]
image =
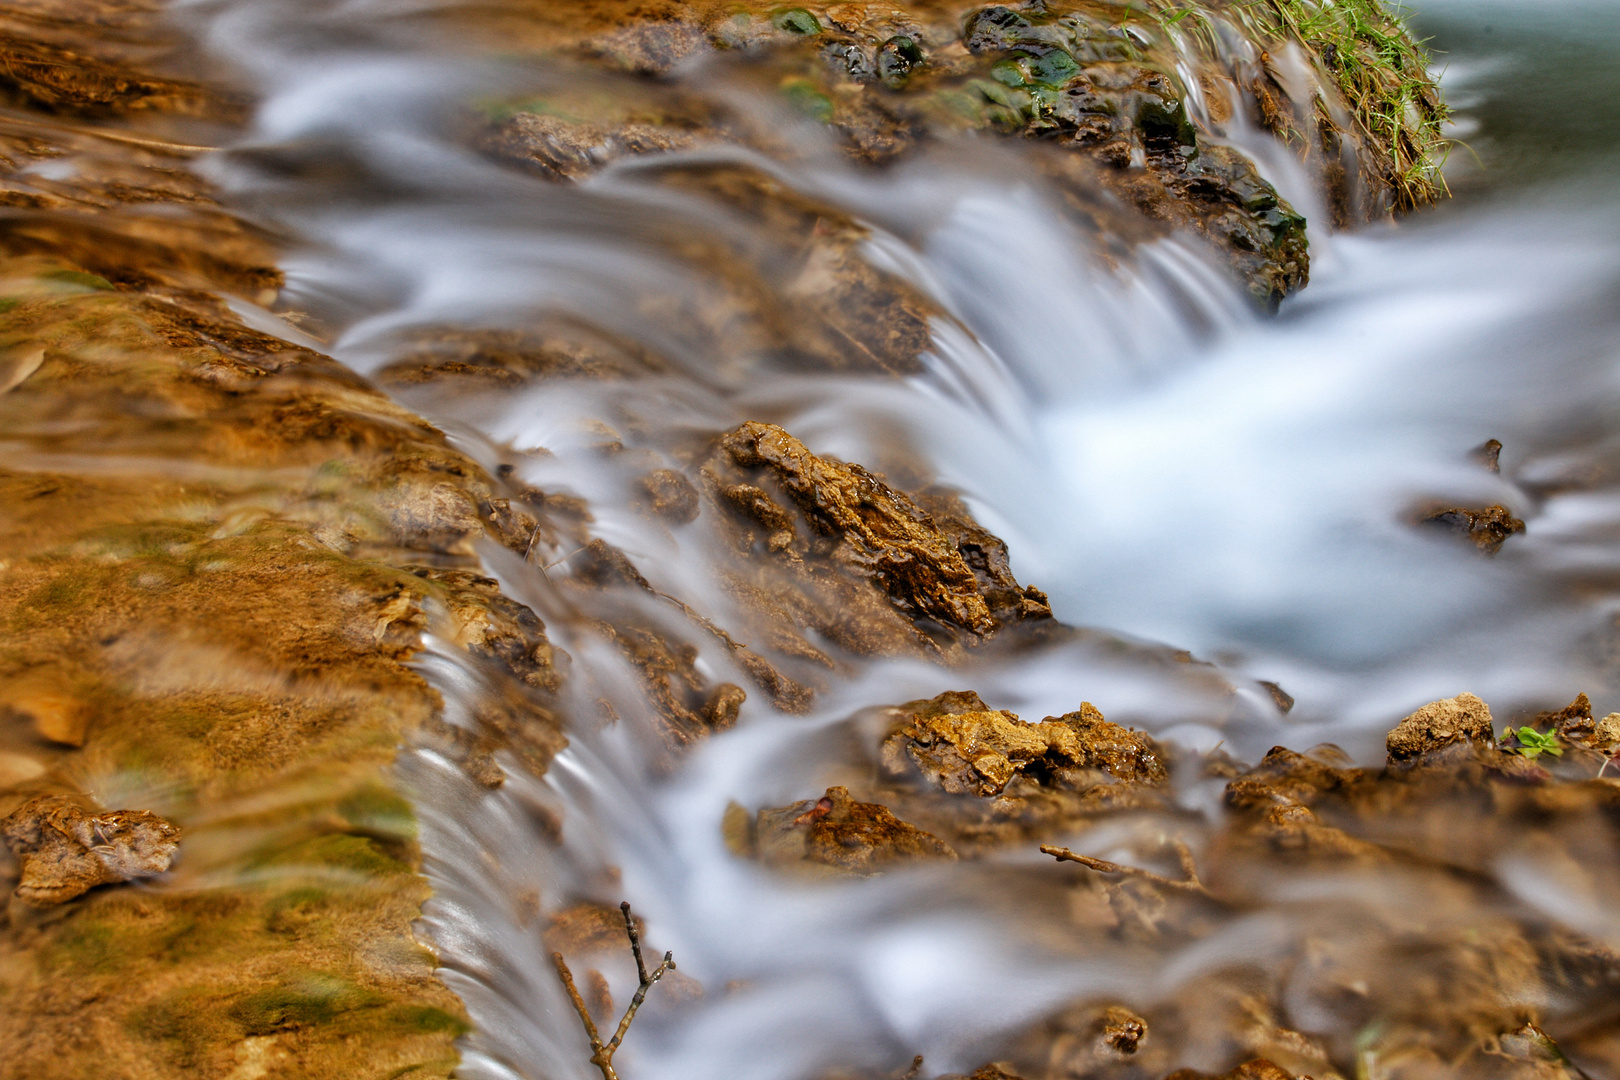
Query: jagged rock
[(671, 496), (962, 746), (568, 149), (1462, 721), (837, 831), (1606, 735), (1086, 85), (834, 549), (64, 850), (1488, 529)]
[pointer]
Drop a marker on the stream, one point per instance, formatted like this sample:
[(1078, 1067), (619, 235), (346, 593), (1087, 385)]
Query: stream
[(1171, 465)]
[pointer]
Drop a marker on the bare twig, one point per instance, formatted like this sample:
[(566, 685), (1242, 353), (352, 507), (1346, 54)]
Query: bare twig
[(602, 1053), (916, 1067), (1103, 866)]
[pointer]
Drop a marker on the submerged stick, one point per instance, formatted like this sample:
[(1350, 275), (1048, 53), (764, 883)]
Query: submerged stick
[(1103, 866), (602, 1053)]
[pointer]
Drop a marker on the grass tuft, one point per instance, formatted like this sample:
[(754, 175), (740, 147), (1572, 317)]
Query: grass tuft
[(1381, 70)]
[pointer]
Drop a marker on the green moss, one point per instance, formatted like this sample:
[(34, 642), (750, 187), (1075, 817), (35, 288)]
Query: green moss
[(425, 1019), (376, 811), (303, 1001), (809, 100), (186, 1021), (1380, 68), (339, 851), (90, 946), (78, 277), (796, 21)]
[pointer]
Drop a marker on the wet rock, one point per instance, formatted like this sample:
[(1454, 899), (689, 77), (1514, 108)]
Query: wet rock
[(1257, 1069), (988, 558), (825, 305), (865, 529), (1122, 1030), (838, 832), (1287, 778), (959, 745), (18, 769), (1441, 728), (1573, 723), (569, 150), (589, 929), (1488, 529), (64, 850), (54, 712), (1489, 454), (887, 79), (497, 358), (671, 496), (438, 517), (688, 706), (1606, 734)]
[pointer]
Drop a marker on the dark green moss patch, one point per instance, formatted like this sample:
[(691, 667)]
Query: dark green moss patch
[(426, 1020), (303, 1001), (79, 277), (375, 811)]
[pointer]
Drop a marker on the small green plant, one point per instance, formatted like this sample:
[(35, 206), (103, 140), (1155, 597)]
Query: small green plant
[(1533, 743), (797, 21)]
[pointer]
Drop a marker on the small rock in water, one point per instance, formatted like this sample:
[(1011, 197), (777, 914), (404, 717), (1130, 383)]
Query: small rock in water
[(1608, 732), (671, 496), (1464, 720), (962, 746), (64, 850), (1489, 454), (1489, 528), (837, 831)]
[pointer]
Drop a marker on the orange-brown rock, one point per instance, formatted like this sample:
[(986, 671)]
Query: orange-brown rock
[(1460, 722), (838, 832), (835, 550), (64, 850), (1487, 529), (956, 743)]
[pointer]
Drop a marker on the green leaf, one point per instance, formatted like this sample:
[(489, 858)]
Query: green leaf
[(797, 21), (1533, 743)]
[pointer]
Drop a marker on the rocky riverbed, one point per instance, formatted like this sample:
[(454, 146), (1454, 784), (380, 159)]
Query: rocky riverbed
[(272, 548)]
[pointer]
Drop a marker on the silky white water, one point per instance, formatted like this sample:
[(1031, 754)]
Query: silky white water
[(1166, 462)]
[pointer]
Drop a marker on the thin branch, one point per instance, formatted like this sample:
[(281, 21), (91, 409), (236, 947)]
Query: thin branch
[(1103, 866), (635, 1002), (584, 1015), (635, 942), (602, 1054)]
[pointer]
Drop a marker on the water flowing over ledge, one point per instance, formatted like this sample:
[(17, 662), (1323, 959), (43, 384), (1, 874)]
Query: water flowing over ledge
[(661, 315)]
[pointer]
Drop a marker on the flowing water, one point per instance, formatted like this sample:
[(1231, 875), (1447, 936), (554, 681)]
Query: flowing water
[(1167, 463)]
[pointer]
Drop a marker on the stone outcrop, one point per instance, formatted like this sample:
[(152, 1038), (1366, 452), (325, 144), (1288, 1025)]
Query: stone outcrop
[(958, 744), (1141, 104), (63, 850), (830, 547), (837, 832), (1464, 720)]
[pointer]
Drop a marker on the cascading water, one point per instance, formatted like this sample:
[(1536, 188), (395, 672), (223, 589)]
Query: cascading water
[(1167, 463)]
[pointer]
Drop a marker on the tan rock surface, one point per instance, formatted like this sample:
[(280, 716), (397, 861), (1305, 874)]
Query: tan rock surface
[(63, 850), (1461, 721)]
